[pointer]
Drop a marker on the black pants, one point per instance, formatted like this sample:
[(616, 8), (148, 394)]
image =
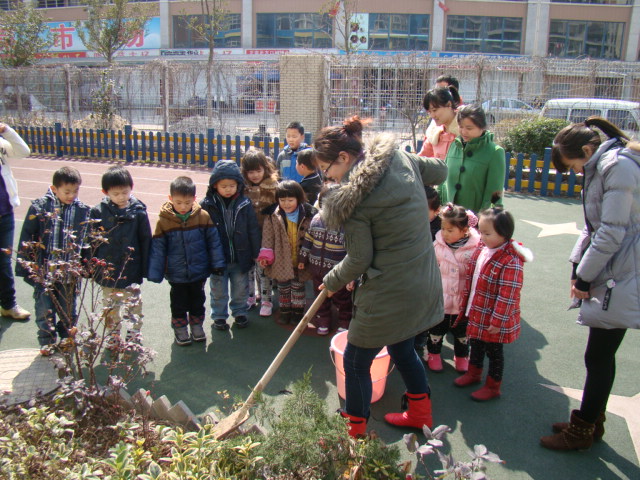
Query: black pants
[(435, 336), (495, 354), (186, 298), (600, 360)]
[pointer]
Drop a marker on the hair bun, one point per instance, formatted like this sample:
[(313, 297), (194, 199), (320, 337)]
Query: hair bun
[(353, 126)]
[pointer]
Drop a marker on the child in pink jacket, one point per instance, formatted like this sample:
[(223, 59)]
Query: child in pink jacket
[(454, 245)]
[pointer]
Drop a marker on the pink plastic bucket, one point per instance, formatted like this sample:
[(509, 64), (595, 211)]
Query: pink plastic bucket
[(379, 367)]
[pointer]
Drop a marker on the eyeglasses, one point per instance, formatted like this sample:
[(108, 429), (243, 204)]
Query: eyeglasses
[(326, 170)]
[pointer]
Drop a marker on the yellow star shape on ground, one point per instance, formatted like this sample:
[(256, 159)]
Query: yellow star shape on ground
[(625, 407), (550, 229)]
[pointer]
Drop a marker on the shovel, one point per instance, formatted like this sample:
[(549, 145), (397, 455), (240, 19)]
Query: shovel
[(237, 418)]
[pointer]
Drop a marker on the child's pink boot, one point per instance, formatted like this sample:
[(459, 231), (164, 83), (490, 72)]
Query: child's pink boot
[(462, 364), (434, 362)]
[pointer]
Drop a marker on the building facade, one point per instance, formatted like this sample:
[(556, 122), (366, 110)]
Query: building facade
[(597, 29)]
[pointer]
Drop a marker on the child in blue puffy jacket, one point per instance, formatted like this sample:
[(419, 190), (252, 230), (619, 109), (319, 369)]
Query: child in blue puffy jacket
[(240, 235), (185, 249)]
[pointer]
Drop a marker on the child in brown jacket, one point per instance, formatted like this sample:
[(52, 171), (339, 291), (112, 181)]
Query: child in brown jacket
[(261, 181), (282, 237)]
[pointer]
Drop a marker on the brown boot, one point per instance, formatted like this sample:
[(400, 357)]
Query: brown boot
[(577, 436), (598, 431)]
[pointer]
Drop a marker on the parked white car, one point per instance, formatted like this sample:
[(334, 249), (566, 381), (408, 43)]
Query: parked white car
[(622, 113), (498, 109)]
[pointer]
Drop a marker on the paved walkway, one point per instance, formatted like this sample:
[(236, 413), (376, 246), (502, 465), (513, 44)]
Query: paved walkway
[(548, 353)]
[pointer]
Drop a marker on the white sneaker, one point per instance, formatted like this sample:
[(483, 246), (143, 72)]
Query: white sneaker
[(266, 309), (16, 312), (251, 302), (322, 331)]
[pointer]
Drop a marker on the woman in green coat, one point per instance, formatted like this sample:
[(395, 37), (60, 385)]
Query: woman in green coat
[(383, 208), (476, 164)]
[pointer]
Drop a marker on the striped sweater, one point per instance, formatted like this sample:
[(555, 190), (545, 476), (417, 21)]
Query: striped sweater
[(322, 248)]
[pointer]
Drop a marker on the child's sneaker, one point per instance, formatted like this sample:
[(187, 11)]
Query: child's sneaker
[(242, 321), (197, 333), (220, 324), (251, 302), (48, 350), (183, 337), (434, 362), (266, 309), (134, 336), (113, 342), (322, 330), (342, 329), (462, 364)]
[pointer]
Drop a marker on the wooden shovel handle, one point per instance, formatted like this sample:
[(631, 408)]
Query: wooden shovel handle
[(284, 351)]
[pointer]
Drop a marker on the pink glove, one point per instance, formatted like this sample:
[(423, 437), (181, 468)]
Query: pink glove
[(267, 255)]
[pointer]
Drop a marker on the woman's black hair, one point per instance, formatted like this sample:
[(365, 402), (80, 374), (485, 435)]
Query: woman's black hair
[(330, 141), (433, 199), (570, 140), (475, 113), (502, 220), (290, 189), (455, 215), (441, 97)]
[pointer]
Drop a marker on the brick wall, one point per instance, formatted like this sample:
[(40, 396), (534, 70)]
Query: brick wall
[(303, 90)]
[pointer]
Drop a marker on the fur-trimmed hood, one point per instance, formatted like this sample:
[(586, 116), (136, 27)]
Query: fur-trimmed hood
[(364, 176)]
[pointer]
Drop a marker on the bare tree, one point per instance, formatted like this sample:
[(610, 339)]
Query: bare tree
[(346, 24), (112, 25), (24, 35), (212, 20)]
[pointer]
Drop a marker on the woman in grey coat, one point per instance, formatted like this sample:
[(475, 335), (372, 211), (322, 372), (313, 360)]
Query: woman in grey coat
[(605, 282), (382, 205)]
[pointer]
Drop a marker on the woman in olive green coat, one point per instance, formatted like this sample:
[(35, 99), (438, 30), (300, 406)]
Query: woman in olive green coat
[(383, 208)]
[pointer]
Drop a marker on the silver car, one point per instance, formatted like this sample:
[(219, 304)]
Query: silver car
[(498, 109)]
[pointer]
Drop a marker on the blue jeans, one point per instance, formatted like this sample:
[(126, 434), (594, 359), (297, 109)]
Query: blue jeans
[(51, 320), (357, 370), (239, 282), (7, 286)]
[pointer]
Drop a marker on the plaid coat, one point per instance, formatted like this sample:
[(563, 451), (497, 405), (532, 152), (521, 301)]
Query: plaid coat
[(497, 296)]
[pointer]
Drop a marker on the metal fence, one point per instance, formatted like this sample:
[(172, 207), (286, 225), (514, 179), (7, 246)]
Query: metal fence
[(243, 98), (390, 89)]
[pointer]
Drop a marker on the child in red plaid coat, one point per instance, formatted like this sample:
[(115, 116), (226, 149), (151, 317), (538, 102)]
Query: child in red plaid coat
[(491, 300)]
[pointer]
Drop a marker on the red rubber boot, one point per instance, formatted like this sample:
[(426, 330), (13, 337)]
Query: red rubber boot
[(418, 414), (473, 375), (357, 425), (491, 389)]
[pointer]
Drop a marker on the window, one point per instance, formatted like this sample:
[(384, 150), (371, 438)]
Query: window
[(623, 119), (576, 38), (185, 32), (60, 3), (484, 34), (297, 30), (598, 2), (392, 31), (557, 113), (580, 114)]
